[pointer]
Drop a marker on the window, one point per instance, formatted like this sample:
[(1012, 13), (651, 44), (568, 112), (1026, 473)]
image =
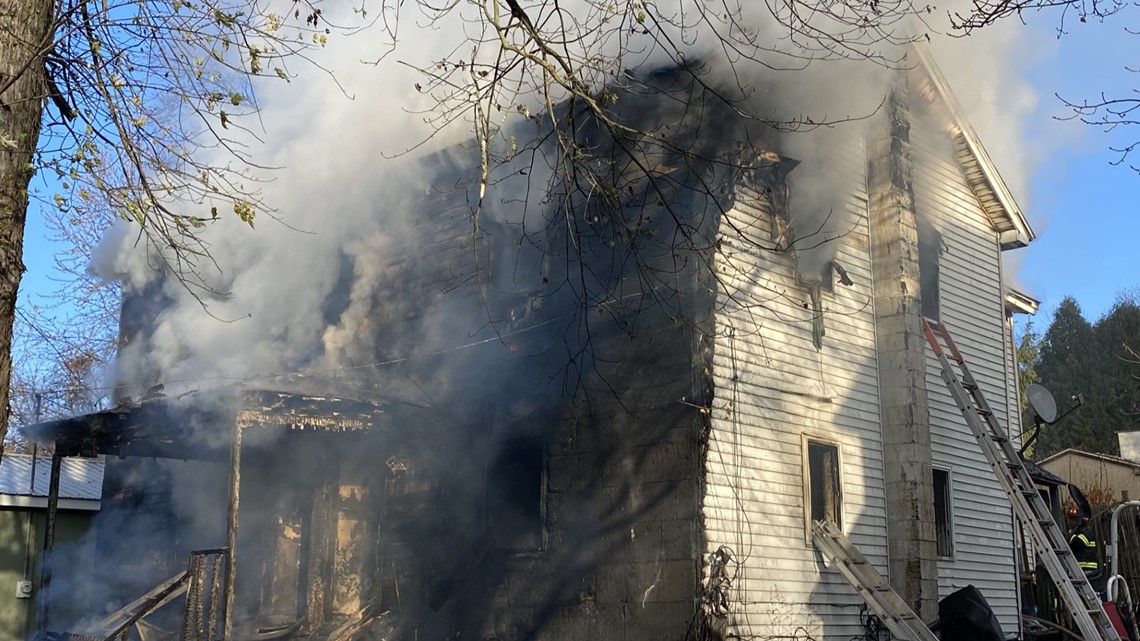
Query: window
[(929, 255), (943, 514), (824, 493), (769, 180), (514, 495)]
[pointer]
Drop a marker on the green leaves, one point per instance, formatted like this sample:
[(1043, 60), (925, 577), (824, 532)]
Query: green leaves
[(245, 212)]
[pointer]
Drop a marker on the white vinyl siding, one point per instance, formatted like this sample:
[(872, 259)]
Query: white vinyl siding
[(773, 388), (973, 310)]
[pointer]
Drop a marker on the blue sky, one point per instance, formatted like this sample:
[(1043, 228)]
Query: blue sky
[(38, 257), (1080, 205)]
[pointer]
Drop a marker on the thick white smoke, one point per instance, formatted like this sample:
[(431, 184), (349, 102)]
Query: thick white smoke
[(344, 191)]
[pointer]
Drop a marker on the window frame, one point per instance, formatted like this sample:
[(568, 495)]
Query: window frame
[(948, 512), (806, 443)]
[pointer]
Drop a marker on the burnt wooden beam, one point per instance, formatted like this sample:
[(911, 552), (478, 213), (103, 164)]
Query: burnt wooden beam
[(321, 544), (232, 532), (49, 544)]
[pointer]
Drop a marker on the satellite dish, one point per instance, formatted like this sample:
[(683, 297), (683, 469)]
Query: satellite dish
[(1042, 402)]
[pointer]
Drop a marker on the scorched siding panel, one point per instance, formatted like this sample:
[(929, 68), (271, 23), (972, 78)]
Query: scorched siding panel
[(972, 307)]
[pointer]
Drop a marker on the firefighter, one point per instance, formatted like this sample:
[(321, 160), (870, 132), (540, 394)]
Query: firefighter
[(1082, 542)]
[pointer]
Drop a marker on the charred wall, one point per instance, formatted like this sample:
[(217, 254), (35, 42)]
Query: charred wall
[(560, 501), (610, 548)]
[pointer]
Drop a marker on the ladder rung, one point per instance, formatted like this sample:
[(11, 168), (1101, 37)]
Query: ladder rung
[(1062, 551)]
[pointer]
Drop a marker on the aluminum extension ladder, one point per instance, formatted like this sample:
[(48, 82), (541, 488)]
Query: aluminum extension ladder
[(880, 597), (1030, 509)]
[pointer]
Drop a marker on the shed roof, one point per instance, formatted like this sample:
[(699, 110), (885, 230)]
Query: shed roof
[(1107, 458), (201, 425), (1042, 475), (80, 478)]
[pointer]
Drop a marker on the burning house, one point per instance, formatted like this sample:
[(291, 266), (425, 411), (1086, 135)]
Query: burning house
[(616, 424)]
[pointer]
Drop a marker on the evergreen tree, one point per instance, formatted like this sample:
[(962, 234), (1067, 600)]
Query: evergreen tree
[(1027, 355), (1092, 360), (1066, 367), (1119, 389)]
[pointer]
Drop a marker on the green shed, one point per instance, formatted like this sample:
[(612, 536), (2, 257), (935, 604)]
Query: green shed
[(23, 519)]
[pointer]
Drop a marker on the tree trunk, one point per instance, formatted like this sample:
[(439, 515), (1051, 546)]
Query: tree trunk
[(25, 35)]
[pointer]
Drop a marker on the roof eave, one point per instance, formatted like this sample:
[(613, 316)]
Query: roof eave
[(1020, 303), (1013, 238), (41, 503), (993, 193)]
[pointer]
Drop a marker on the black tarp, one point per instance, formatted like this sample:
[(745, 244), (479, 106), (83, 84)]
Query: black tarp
[(966, 616)]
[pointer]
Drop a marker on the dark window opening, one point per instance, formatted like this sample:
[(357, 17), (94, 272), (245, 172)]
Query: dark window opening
[(514, 495), (810, 278), (943, 514), (929, 255), (824, 489)]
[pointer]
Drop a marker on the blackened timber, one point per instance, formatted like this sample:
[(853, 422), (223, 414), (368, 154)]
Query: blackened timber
[(320, 556), (268, 408), (49, 545), (149, 430), (232, 532)]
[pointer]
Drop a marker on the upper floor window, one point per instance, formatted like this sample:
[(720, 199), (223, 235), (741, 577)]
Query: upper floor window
[(929, 256)]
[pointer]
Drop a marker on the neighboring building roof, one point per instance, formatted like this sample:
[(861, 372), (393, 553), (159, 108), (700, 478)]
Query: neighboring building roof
[(994, 195), (1108, 458), (80, 481), (1020, 303), (1042, 475)]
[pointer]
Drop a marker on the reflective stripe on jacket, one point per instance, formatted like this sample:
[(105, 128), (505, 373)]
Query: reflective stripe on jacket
[(1083, 546)]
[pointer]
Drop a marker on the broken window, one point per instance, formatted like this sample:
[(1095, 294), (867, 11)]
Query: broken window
[(766, 180), (943, 513), (929, 255), (824, 489), (514, 495)]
